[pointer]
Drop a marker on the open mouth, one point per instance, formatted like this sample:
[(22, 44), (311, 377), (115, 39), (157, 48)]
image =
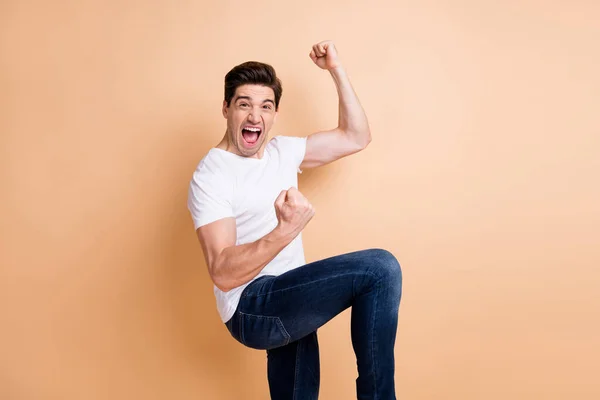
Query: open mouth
[(251, 134)]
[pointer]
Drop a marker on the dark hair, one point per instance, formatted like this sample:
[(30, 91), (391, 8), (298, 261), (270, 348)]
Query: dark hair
[(252, 73)]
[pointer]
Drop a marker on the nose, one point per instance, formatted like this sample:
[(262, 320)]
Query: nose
[(254, 116)]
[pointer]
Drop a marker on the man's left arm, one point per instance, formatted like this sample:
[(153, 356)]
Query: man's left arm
[(352, 133)]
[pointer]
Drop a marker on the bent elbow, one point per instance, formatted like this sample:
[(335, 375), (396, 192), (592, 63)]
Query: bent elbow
[(222, 284), (363, 138), (218, 280), (223, 288), (369, 139), (364, 142)]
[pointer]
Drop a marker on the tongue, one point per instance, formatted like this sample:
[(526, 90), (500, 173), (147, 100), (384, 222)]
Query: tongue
[(250, 137)]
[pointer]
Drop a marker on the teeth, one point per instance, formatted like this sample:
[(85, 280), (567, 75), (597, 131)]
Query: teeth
[(253, 129)]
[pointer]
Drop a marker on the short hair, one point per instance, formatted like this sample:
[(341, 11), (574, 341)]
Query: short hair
[(252, 73)]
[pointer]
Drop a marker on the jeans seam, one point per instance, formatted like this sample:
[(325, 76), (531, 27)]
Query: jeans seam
[(310, 283), (241, 327), (298, 349), (285, 332), (373, 338), (247, 288)]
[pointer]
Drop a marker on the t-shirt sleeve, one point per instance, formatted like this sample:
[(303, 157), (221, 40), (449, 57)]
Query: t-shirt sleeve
[(209, 199), (295, 148)]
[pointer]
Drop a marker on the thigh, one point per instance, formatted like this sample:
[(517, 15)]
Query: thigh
[(305, 298)]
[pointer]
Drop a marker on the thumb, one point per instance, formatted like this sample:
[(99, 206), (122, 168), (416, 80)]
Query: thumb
[(280, 199)]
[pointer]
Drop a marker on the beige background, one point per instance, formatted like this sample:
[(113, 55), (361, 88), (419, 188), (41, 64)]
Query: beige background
[(483, 178)]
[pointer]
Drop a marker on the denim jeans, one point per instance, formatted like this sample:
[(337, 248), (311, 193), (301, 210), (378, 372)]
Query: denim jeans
[(281, 314)]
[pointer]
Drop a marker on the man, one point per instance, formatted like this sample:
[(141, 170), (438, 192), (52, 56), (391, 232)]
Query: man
[(249, 217)]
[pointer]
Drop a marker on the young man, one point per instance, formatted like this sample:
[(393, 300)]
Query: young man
[(249, 217)]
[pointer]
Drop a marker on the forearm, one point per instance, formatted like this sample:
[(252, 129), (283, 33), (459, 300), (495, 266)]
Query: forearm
[(237, 265), (352, 119)]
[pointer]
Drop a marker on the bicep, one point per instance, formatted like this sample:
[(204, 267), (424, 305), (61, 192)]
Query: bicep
[(328, 146), (216, 237)]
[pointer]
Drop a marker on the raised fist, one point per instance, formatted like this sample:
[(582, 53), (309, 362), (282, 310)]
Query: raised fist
[(293, 211), (325, 55)]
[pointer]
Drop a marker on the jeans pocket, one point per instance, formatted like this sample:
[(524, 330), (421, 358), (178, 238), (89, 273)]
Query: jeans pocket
[(262, 332)]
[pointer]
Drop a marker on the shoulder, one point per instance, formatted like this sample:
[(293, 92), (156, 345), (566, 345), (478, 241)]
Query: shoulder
[(212, 171), (293, 147), (210, 191), (283, 142)]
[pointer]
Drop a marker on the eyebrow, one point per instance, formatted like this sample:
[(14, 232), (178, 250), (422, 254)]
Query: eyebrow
[(250, 99)]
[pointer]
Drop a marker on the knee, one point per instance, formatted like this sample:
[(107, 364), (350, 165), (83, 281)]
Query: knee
[(387, 267)]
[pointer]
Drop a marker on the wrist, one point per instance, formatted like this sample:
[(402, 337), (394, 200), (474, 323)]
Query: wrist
[(337, 70), (280, 236)]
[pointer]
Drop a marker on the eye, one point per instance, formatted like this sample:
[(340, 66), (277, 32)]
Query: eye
[(243, 105), (267, 107)]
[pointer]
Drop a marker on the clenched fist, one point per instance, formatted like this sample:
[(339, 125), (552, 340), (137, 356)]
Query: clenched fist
[(293, 212), (325, 55)]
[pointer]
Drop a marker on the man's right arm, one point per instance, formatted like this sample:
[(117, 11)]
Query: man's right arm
[(231, 266)]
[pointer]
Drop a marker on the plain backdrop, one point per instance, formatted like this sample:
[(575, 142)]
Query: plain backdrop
[(483, 178)]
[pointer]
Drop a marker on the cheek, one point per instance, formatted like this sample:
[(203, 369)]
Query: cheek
[(234, 120), (269, 119)]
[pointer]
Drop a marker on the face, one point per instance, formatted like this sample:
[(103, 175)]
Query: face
[(250, 116)]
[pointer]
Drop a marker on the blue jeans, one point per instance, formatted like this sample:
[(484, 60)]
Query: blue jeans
[(281, 314)]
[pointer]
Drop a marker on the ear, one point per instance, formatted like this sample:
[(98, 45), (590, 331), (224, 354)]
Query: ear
[(225, 109)]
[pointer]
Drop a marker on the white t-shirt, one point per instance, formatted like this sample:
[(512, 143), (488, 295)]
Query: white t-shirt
[(227, 185)]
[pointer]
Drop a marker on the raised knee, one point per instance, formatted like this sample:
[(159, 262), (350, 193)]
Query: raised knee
[(388, 267)]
